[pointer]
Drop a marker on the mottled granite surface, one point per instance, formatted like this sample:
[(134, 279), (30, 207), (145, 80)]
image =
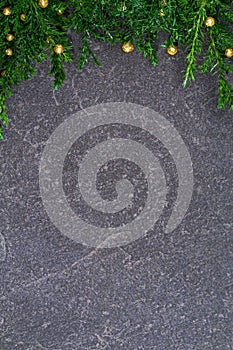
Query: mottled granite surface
[(163, 291)]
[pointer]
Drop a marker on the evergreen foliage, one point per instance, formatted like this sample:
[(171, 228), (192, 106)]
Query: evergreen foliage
[(137, 21)]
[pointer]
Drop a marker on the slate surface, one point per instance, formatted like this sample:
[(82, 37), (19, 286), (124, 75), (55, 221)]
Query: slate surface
[(162, 291)]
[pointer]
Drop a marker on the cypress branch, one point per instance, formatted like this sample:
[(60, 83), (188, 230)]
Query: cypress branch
[(115, 21)]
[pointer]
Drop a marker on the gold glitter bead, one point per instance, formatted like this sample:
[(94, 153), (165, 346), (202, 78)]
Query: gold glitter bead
[(229, 52), (210, 22), (7, 11), (43, 3), (162, 13), (58, 49), (22, 16), (9, 52), (3, 72), (127, 47), (10, 37), (60, 12), (172, 50)]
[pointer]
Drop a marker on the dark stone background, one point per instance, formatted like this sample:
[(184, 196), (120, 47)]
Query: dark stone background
[(160, 292)]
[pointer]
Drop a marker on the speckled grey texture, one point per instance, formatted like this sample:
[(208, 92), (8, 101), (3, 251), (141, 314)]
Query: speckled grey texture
[(163, 291)]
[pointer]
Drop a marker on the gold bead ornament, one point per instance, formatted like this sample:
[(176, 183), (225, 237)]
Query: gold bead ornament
[(3, 72), (60, 12), (172, 50), (9, 52), (43, 3), (210, 22), (58, 49), (22, 16), (7, 11), (10, 37), (127, 47), (162, 13), (229, 52)]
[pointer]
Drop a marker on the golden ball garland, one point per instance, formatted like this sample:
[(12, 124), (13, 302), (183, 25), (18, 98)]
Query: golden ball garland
[(172, 50), (3, 72), (10, 37), (210, 22), (7, 11), (127, 47), (22, 16), (9, 52), (43, 3), (229, 52), (58, 49)]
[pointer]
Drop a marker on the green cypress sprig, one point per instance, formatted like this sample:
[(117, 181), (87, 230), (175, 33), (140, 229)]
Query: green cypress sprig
[(115, 21), (225, 89), (195, 36)]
